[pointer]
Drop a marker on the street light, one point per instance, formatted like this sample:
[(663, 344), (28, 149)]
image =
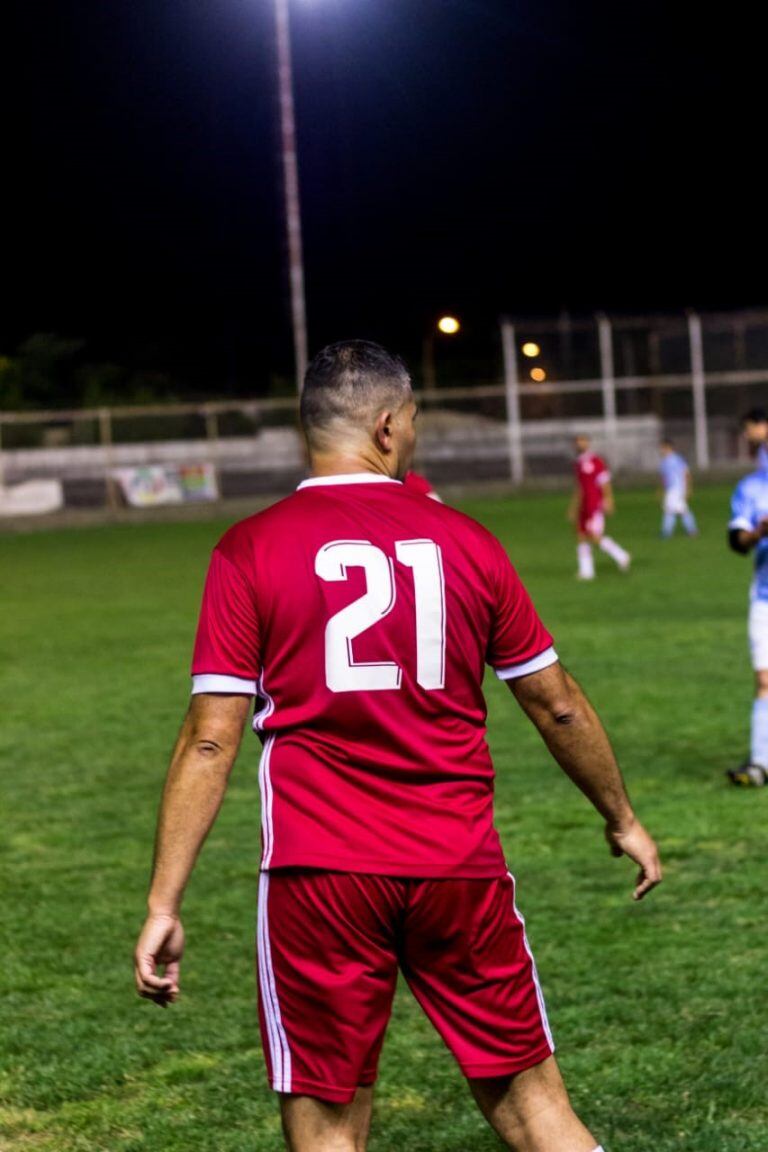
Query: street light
[(530, 349), (448, 326), (291, 188)]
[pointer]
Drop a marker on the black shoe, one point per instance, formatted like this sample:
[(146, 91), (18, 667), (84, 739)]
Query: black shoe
[(748, 775)]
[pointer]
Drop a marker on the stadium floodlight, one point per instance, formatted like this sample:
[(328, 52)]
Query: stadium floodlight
[(539, 375), (530, 349), (448, 325), (291, 189)]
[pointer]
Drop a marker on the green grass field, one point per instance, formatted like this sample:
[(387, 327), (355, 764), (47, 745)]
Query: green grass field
[(660, 1010)]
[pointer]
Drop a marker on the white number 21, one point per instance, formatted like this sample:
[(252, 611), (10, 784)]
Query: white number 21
[(342, 672)]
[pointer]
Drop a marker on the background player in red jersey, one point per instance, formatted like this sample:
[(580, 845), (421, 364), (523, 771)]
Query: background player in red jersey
[(418, 483), (361, 616), (592, 501)]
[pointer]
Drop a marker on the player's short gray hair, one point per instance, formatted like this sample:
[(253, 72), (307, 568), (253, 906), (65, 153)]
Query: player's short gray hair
[(350, 383)]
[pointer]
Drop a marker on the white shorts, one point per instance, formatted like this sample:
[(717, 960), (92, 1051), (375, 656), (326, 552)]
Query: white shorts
[(758, 634), (593, 525), (675, 503)]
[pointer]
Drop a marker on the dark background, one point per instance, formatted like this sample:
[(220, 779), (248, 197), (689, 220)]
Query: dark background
[(477, 156)]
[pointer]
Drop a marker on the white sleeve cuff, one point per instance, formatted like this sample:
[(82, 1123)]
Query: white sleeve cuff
[(742, 523), (231, 685), (543, 660)]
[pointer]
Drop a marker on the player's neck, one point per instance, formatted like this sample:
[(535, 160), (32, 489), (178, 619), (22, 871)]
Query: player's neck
[(347, 464)]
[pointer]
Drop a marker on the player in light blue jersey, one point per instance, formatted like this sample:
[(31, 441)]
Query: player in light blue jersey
[(748, 530), (676, 485)]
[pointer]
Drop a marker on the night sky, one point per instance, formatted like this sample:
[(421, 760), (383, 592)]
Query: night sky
[(478, 156)]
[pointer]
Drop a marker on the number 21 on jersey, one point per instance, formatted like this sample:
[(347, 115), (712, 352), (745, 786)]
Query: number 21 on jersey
[(342, 672)]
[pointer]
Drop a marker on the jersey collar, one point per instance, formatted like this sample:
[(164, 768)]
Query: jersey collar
[(349, 478)]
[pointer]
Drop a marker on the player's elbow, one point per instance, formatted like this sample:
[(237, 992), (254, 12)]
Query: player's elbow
[(208, 747), (212, 743), (566, 705), (737, 542), (564, 713)]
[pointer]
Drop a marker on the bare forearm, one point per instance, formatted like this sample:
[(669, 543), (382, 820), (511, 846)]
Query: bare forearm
[(194, 789), (607, 491), (574, 735)]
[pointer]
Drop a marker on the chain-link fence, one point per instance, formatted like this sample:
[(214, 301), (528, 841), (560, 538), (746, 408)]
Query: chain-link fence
[(625, 382)]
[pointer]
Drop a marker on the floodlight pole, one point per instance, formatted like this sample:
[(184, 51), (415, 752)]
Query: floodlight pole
[(698, 386), (512, 393), (291, 188), (605, 340)]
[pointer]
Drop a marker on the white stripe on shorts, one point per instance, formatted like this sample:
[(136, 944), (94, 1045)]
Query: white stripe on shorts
[(539, 993), (265, 788), (278, 1041)]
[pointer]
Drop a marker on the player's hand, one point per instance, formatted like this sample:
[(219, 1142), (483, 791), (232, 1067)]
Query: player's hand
[(608, 507), (161, 944), (634, 841), (762, 527)]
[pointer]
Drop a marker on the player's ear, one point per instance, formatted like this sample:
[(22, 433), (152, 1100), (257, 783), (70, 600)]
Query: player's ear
[(383, 431)]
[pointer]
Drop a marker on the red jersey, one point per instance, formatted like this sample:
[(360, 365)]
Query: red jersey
[(591, 474), (418, 483), (362, 616)]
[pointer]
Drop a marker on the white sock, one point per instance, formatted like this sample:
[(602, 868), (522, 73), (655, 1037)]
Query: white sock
[(586, 561), (759, 745), (599, 1148), (615, 551)]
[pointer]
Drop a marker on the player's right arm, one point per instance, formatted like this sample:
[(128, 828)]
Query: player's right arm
[(745, 530), (225, 667), (574, 735), (744, 539), (194, 789)]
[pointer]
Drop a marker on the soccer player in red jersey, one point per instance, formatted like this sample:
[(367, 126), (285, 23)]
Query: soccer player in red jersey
[(415, 482), (360, 617), (592, 501)]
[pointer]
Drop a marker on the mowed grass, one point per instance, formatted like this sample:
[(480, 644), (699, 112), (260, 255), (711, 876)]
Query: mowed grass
[(660, 1009)]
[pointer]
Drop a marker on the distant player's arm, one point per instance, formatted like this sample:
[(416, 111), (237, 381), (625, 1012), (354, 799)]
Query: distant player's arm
[(573, 506), (194, 789), (746, 527), (607, 490), (574, 735), (744, 539)]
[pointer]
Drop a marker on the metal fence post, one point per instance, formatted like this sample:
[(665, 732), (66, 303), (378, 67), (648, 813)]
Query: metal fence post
[(605, 337), (512, 393), (699, 387), (105, 437), (212, 436)]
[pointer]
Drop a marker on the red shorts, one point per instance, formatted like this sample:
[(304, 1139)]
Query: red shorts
[(591, 521), (329, 948)]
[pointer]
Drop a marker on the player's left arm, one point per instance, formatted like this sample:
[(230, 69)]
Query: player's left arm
[(608, 503), (194, 790), (574, 735)]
